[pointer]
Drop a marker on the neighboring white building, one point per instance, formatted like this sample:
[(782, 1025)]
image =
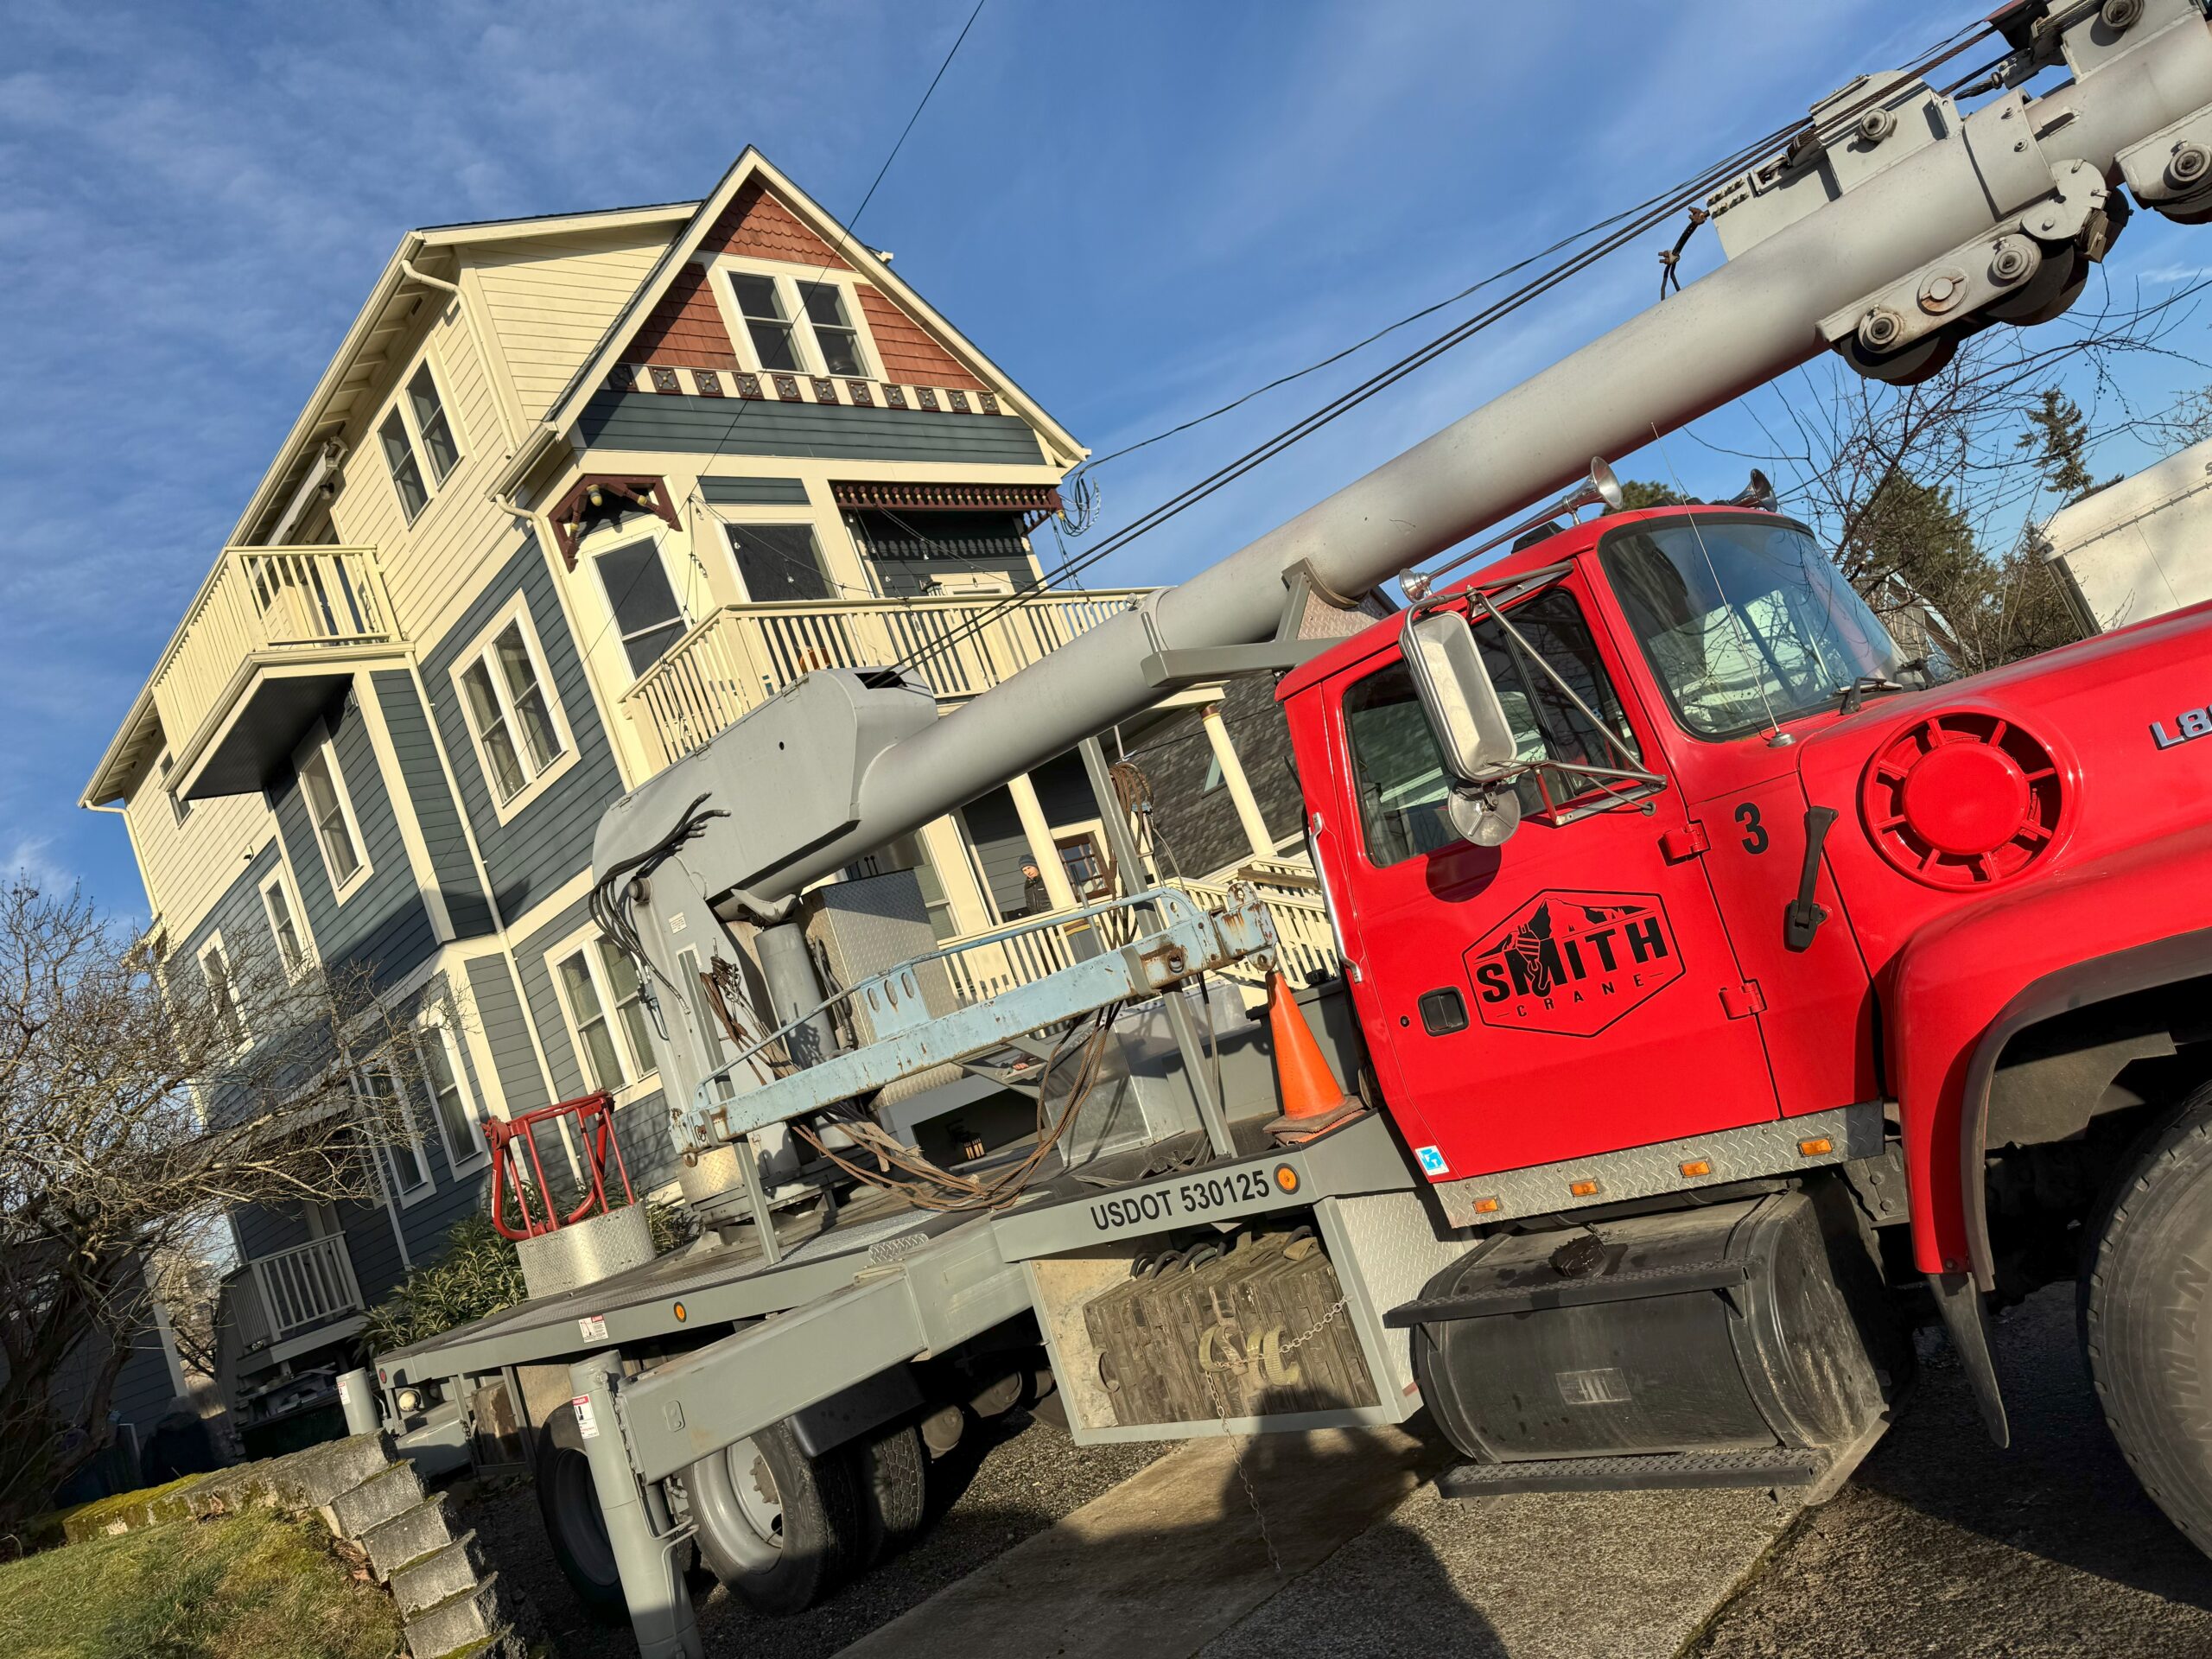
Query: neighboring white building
[(2138, 548)]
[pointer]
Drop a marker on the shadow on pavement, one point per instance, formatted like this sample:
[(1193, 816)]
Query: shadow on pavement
[(2062, 1492)]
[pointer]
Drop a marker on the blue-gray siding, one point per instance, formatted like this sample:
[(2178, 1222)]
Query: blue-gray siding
[(507, 1032), (642, 1126), (675, 424), (383, 923), (754, 492), (436, 815), (550, 839)]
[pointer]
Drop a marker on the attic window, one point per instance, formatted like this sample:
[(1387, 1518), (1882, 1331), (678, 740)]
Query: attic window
[(794, 325)]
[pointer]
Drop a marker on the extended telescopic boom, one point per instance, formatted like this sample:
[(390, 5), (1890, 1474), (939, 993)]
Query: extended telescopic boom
[(1889, 228)]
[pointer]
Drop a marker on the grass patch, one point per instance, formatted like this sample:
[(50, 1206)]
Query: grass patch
[(251, 1586)]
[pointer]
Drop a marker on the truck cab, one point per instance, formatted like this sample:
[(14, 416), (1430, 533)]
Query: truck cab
[(1680, 846)]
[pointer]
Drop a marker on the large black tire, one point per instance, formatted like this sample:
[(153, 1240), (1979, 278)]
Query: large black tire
[(780, 1528), (892, 1471), (569, 1505), (2146, 1316)]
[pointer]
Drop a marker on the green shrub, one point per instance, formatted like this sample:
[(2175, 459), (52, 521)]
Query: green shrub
[(478, 1274)]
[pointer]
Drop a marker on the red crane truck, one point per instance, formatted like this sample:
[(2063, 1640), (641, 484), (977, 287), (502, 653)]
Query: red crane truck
[(1722, 991)]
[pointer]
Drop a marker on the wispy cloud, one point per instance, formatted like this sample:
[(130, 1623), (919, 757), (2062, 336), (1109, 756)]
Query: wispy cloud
[(1139, 210)]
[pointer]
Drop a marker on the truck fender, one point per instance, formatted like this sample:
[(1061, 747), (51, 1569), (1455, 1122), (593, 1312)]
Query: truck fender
[(2078, 985), (1965, 985)]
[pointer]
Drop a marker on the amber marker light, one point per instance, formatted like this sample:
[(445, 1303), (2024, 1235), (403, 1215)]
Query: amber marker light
[(1696, 1166), (1486, 1206), (1583, 1189), (1816, 1148), (1285, 1179), (681, 1313)]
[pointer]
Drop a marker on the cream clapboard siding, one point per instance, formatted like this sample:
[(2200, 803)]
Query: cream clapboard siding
[(188, 866), (551, 299), (432, 567)]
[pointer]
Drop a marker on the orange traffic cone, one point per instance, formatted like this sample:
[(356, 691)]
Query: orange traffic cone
[(1312, 1103)]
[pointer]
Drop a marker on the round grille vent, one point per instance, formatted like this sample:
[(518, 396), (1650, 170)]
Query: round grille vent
[(1962, 800)]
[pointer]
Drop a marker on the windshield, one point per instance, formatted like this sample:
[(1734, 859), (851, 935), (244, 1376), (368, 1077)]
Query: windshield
[(1744, 621)]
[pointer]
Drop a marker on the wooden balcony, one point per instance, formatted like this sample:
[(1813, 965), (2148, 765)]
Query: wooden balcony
[(270, 635), (296, 1298), (744, 654)]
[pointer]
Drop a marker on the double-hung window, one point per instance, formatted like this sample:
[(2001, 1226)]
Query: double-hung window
[(222, 992), (835, 336), (503, 688), (284, 923), (800, 325), (180, 809), (778, 562), (337, 836), (443, 1080), (641, 600), (418, 428), (393, 1118), (606, 1005), (761, 303)]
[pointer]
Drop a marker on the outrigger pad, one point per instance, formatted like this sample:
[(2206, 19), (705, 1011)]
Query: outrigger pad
[(1775, 1466)]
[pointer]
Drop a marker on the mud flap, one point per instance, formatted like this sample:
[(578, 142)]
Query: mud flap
[(1959, 1301)]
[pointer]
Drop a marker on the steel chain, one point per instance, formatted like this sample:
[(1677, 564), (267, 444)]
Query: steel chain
[(1235, 1448)]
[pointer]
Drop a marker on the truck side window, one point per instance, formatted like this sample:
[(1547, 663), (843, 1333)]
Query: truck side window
[(1398, 770)]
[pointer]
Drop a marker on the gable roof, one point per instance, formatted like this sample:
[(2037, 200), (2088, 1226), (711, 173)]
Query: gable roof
[(753, 168)]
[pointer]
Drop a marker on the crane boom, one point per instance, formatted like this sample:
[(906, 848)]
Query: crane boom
[(1891, 226)]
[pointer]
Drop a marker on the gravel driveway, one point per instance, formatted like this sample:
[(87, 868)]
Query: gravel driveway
[(1029, 1478)]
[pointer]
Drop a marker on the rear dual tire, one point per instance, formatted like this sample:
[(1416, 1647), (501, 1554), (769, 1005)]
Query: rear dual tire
[(782, 1529), (2147, 1316)]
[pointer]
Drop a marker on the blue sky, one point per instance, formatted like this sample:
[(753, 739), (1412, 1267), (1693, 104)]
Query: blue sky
[(1139, 209)]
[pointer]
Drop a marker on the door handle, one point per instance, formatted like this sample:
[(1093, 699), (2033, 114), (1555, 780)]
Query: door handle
[(1801, 918)]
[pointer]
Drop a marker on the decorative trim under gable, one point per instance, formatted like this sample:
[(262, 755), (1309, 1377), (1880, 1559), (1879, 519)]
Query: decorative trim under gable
[(567, 515)]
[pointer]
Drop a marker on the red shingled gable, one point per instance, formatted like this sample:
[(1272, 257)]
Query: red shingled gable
[(685, 330), (758, 226)]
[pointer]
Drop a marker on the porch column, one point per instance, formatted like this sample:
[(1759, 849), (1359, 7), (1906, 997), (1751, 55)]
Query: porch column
[(1037, 831), (1239, 786), (956, 874)]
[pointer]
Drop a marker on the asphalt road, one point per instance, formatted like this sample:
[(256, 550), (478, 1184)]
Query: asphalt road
[(1941, 1544)]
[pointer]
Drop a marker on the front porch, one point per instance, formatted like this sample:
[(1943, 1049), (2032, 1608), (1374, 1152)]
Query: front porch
[(742, 655)]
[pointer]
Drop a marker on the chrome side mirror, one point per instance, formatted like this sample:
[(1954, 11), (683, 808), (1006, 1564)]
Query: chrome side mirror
[(1460, 703)]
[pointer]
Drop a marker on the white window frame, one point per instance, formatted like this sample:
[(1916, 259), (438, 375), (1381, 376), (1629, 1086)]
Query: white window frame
[(215, 947), (320, 739), (479, 649), (405, 1197), (403, 404), (639, 1077), (610, 645), (436, 1029), (180, 809), (279, 881), (788, 280)]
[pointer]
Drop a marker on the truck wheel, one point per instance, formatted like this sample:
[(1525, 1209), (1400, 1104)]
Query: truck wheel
[(776, 1526), (2146, 1318), (569, 1505), (892, 1471)]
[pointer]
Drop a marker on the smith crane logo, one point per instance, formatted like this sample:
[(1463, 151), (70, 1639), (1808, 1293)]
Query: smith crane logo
[(1571, 963)]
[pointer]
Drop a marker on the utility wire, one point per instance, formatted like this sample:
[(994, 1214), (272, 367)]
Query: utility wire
[(1632, 222)]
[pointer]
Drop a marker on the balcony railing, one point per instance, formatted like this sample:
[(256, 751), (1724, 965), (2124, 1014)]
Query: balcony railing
[(276, 1298), (744, 654), (1305, 949), (263, 607)]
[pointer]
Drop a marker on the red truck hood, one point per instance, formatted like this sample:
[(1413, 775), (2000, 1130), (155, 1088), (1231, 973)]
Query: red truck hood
[(2117, 718)]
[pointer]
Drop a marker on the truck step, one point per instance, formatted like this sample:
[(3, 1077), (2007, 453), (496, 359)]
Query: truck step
[(1771, 1467)]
